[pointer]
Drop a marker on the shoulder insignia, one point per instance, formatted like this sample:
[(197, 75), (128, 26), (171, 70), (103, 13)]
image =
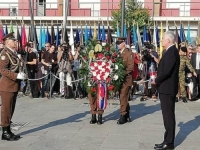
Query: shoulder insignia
[(3, 57)]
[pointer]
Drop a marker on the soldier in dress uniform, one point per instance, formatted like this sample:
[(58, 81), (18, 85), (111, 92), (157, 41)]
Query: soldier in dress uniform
[(10, 82), (93, 107), (124, 95), (184, 62), (94, 110)]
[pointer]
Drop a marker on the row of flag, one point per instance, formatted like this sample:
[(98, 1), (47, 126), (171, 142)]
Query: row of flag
[(131, 33), (47, 35)]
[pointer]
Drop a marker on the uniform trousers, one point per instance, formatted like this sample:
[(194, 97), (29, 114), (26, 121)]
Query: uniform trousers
[(8, 100), (93, 105), (168, 112), (182, 91), (124, 96)]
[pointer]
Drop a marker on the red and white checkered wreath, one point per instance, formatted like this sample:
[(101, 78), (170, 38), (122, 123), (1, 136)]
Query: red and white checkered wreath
[(101, 65)]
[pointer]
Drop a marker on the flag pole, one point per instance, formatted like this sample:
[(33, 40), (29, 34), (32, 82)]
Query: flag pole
[(65, 18), (122, 18), (32, 23)]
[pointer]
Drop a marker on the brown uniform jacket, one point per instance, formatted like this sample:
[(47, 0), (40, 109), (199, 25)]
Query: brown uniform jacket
[(9, 67), (127, 57)]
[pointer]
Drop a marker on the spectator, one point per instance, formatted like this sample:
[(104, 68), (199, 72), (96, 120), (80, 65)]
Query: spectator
[(49, 60), (65, 72), (32, 69), (135, 73)]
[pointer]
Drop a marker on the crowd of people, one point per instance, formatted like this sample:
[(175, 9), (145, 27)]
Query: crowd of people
[(61, 63), (57, 61), (177, 68)]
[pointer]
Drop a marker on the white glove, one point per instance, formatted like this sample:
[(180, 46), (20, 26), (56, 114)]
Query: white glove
[(21, 76), (19, 56)]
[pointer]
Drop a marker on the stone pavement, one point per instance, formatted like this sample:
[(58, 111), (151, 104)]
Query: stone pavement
[(60, 124)]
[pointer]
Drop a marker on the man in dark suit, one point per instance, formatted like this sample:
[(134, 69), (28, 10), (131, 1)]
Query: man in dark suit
[(167, 76), (195, 62)]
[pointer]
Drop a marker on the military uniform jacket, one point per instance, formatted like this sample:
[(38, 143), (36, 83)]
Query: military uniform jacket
[(9, 68), (127, 57), (184, 61)]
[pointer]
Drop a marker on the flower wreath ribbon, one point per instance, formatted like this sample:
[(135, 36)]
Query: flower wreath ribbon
[(102, 96)]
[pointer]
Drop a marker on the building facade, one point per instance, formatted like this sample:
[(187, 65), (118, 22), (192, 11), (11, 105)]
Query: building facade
[(90, 11)]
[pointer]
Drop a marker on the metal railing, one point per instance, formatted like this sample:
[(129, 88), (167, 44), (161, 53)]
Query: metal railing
[(97, 9)]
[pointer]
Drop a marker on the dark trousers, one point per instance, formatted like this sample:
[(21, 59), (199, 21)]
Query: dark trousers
[(124, 96), (31, 75), (153, 89), (198, 81), (168, 112), (7, 107)]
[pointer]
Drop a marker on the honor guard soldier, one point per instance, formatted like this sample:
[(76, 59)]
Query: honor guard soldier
[(10, 82), (124, 95)]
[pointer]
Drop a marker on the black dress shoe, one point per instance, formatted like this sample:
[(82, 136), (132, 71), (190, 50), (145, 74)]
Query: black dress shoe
[(165, 147), (99, 121), (9, 131), (6, 135), (158, 145), (184, 100), (94, 119), (128, 117), (122, 119)]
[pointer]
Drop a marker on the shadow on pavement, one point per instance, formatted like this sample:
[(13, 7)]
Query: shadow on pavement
[(186, 129), (73, 118), (136, 111)]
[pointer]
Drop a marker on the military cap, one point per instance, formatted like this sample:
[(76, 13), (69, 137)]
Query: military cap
[(9, 36), (120, 40)]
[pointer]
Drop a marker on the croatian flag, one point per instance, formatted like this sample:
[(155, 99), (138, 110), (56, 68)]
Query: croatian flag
[(101, 96)]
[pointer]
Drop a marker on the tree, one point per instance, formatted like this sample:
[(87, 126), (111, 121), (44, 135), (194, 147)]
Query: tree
[(133, 12)]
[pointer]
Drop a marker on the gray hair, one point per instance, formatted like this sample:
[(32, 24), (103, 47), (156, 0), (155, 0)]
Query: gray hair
[(170, 35)]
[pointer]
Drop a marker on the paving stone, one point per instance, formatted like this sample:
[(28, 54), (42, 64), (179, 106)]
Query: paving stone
[(60, 124)]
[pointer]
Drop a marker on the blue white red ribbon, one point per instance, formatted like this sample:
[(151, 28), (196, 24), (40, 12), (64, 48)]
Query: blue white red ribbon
[(102, 96)]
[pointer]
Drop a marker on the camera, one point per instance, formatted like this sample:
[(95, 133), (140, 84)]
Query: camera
[(65, 54), (146, 55), (146, 52)]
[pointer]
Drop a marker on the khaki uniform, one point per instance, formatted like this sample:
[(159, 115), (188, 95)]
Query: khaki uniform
[(93, 105), (127, 57), (184, 61), (9, 68)]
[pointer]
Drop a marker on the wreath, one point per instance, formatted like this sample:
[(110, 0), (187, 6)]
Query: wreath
[(101, 63)]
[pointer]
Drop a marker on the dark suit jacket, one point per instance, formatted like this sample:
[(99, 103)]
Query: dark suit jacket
[(193, 60), (168, 72)]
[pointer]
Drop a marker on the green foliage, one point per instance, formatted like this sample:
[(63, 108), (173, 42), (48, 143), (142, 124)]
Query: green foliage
[(93, 55), (133, 12)]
